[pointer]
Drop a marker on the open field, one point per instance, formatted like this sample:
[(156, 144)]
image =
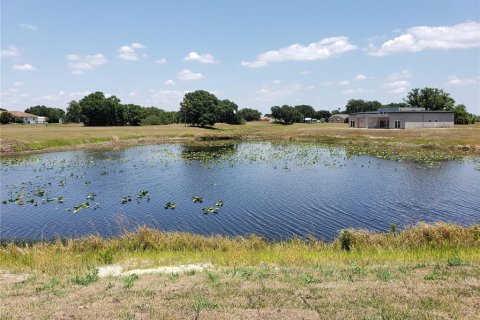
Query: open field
[(424, 272), (17, 139)]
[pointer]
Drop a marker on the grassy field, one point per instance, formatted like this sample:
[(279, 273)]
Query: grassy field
[(424, 272), (17, 139)]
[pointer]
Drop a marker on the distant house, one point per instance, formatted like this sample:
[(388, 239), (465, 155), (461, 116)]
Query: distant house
[(402, 118), (339, 118), (310, 120), (28, 117)]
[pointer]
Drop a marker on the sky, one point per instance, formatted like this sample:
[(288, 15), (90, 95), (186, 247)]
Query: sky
[(256, 53)]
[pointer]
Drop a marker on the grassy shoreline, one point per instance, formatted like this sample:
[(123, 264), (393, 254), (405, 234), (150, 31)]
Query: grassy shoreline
[(422, 272), (22, 140)]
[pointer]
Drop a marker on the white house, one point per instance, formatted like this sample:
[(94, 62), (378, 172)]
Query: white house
[(28, 117), (402, 118)]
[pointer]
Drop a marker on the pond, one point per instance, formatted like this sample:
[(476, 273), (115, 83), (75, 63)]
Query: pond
[(275, 190)]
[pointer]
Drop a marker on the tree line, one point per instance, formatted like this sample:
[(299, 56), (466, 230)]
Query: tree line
[(202, 108)]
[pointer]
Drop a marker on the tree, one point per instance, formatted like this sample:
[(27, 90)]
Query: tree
[(6, 117), (360, 105), (53, 114), (249, 114), (306, 110), (131, 114), (227, 112), (287, 114), (323, 114), (396, 105), (461, 115), (200, 108), (98, 110), (432, 99), (74, 112)]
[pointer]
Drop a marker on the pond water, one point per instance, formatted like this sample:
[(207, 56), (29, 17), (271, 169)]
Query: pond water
[(270, 189)]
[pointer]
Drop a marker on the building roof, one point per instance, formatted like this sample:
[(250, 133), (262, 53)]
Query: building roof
[(416, 112), (340, 115), (22, 114)]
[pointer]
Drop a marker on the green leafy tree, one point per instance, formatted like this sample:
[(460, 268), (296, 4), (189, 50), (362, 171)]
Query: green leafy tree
[(53, 114), (462, 116), (227, 112), (249, 114), (6, 117), (99, 110), (200, 108), (306, 110), (432, 99), (323, 114), (74, 112), (396, 105), (287, 114), (360, 105), (132, 114)]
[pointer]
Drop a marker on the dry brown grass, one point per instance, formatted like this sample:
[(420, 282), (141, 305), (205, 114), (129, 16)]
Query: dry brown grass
[(28, 138), (324, 291), (423, 272)]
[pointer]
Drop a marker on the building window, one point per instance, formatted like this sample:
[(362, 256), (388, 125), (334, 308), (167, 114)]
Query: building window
[(397, 124), (352, 124)]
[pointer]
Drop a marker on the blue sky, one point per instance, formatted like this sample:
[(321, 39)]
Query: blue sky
[(256, 53)]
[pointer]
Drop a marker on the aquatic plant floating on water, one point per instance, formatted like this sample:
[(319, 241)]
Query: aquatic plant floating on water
[(78, 207), (125, 199), (91, 196), (142, 194), (218, 203), (170, 205), (196, 199), (208, 210)]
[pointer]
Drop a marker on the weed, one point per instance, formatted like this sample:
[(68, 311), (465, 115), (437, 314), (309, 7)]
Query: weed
[(90, 277), (309, 279), (173, 277), (212, 278), (129, 281), (455, 262), (202, 303), (49, 285)]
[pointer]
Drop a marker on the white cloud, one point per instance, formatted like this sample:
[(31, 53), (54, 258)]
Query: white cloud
[(399, 86), (18, 83), (361, 77), (129, 53), (170, 82), (171, 97), (30, 27), (202, 58), (187, 75), (133, 93), (78, 63), (276, 81), (323, 49), (23, 67), (352, 92), (12, 51), (404, 74), (161, 61), (305, 72), (457, 81), (415, 39), (335, 83), (276, 93)]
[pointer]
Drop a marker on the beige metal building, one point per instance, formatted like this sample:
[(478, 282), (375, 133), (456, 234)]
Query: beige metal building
[(402, 118)]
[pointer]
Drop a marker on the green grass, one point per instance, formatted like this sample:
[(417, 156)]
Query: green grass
[(456, 244), (24, 138)]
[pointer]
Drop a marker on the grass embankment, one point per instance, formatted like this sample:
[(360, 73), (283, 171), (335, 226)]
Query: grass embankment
[(426, 272), (18, 139)]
